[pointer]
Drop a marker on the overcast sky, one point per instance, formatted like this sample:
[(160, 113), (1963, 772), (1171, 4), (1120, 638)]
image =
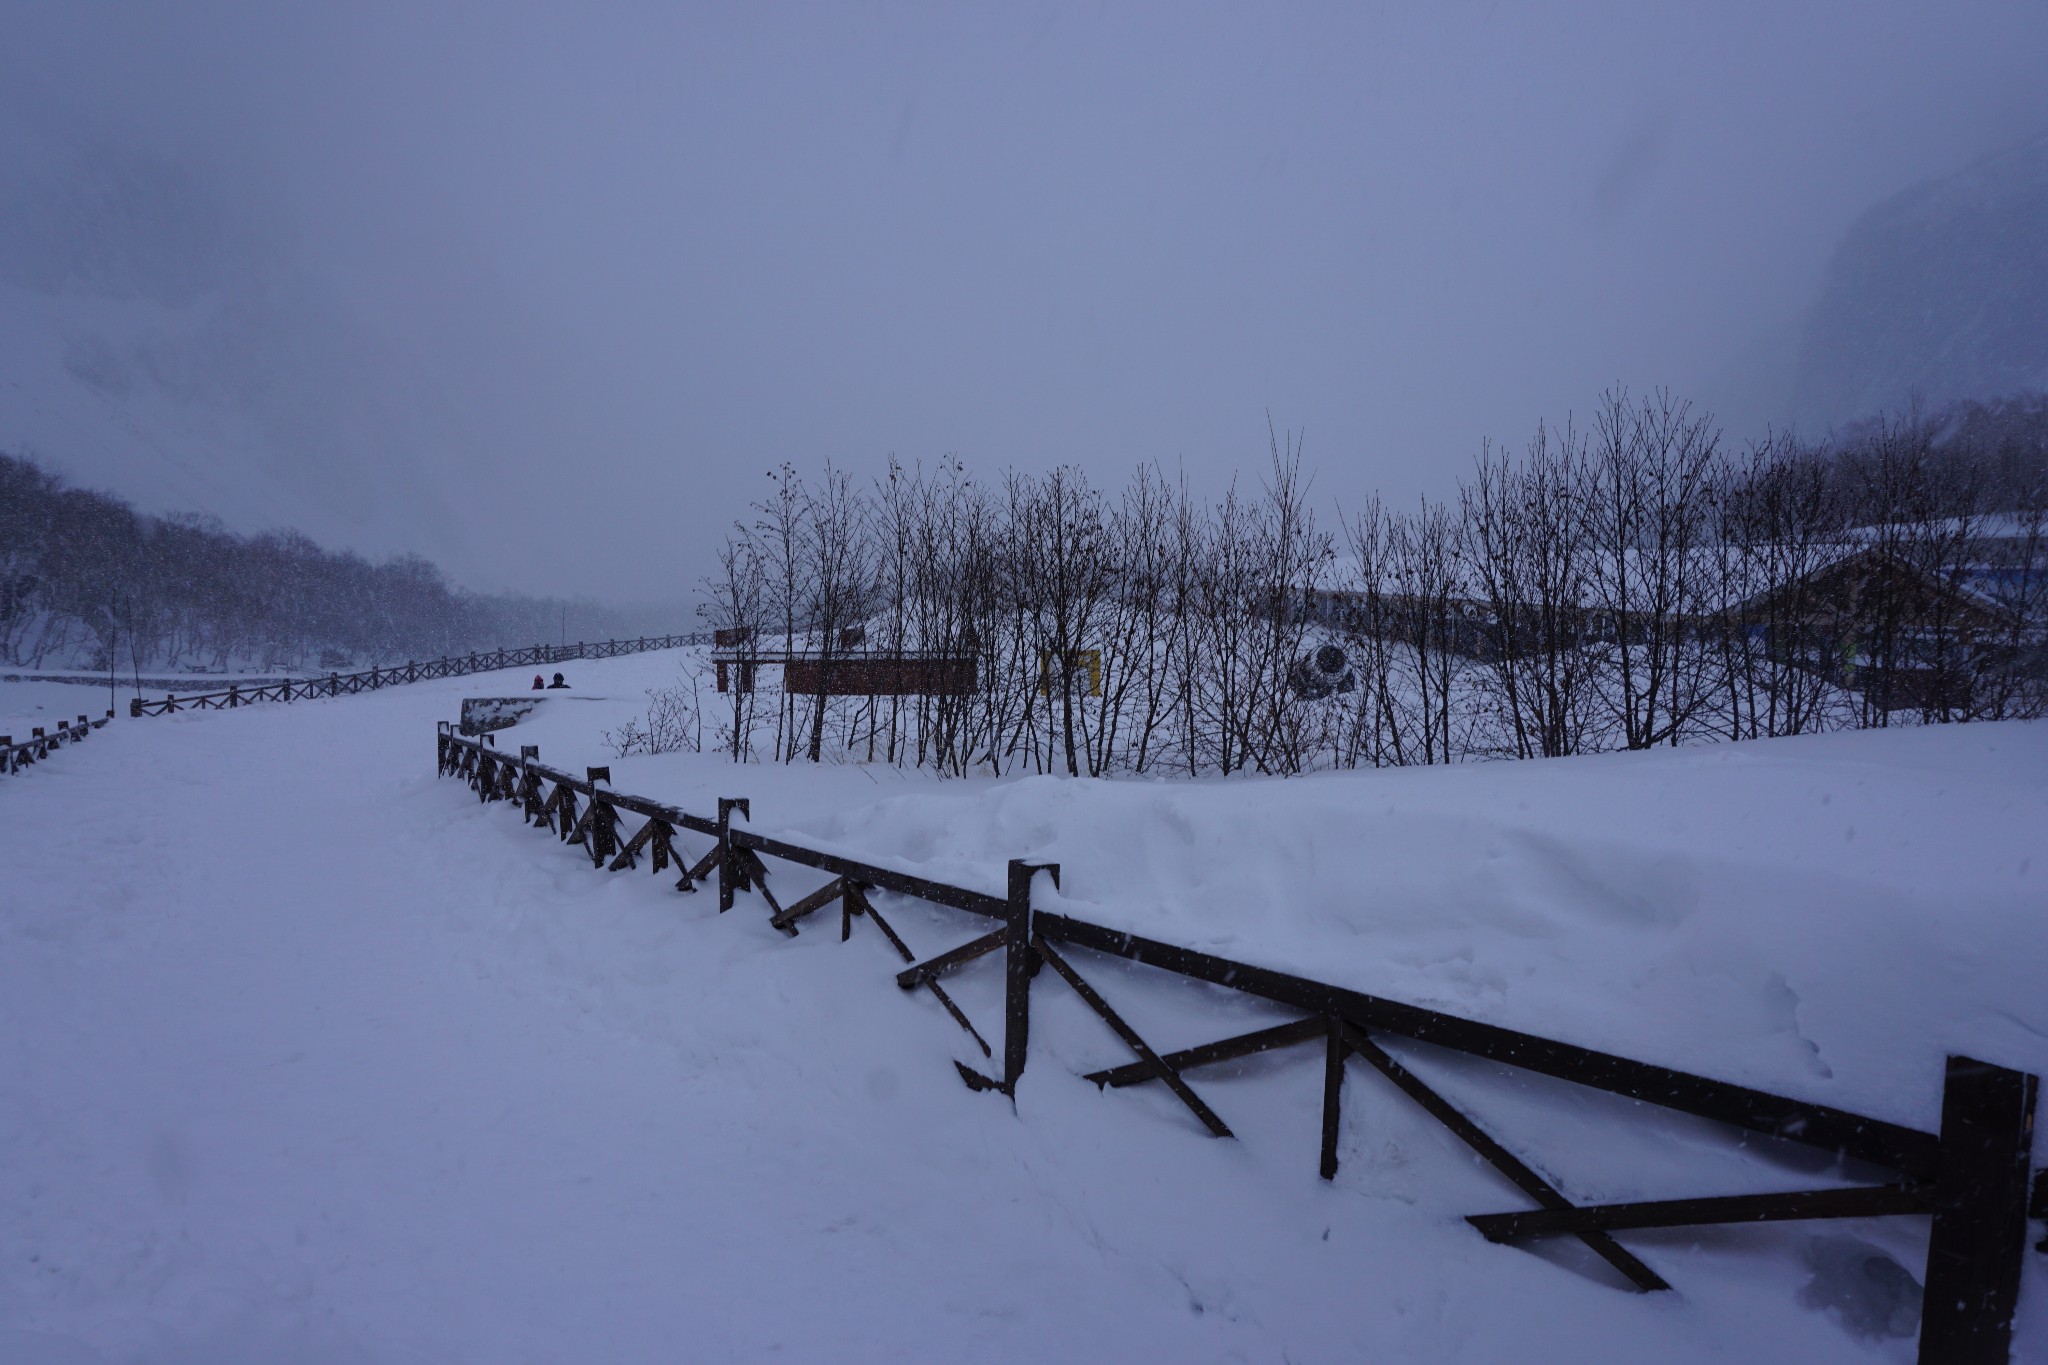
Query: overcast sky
[(628, 257)]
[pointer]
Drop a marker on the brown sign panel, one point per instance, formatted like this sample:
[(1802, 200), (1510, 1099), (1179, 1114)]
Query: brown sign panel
[(880, 676)]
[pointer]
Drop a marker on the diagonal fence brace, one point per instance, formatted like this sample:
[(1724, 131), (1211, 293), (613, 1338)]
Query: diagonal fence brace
[(755, 875), (700, 869), (1855, 1201), (629, 855), (1222, 1050), (1146, 1056), (785, 920), (935, 967), (856, 902), (1504, 1161)]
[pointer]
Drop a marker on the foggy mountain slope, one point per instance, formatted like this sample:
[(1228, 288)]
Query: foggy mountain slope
[(1939, 294), (156, 340)]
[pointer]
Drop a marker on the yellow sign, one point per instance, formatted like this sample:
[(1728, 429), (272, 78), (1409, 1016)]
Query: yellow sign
[(1090, 659)]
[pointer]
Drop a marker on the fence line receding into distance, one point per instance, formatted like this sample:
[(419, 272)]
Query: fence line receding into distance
[(14, 756), (372, 679)]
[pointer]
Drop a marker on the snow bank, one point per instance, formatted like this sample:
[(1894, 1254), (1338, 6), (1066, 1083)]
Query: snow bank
[(311, 1057)]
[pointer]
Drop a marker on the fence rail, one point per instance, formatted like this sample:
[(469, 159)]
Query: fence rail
[(1972, 1177), (373, 679), (42, 743)]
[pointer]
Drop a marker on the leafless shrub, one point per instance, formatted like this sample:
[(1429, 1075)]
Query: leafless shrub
[(674, 722)]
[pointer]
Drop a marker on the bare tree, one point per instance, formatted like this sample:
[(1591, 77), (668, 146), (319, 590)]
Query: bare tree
[(1652, 477), (1780, 524), (837, 582), (736, 605), (1525, 544)]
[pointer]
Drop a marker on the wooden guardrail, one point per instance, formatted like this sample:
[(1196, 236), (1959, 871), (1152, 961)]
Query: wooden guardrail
[(373, 679), (1972, 1176), (14, 756)]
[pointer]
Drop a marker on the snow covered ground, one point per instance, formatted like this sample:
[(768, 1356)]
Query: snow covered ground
[(25, 705), (310, 1057)]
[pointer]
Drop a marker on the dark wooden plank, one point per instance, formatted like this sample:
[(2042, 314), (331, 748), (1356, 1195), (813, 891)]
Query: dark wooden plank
[(703, 866), (1020, 964), (604, 832), (1222, 1050), (857, 903), (1979, 1239), (785, 920), (627, 854), (1502, 1160), (1132, 1040), (886, 879), (1334, 1052), (757, 879), (579, 832), (959, 1016), (895, 939), (1906, 1150), (932, 968), (1860, 1201)]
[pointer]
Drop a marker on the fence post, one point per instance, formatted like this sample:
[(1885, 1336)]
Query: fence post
[(728, 866), (1020, 965), (134, 708), (1979, 1239)]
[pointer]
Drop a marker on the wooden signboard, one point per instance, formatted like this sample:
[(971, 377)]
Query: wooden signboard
[(861, 675)]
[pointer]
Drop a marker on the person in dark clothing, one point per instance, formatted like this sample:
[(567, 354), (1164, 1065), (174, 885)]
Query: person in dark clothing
[(557, 683), (537, 683)]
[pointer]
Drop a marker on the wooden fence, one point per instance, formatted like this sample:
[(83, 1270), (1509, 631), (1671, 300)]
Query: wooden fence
[(41, 744), (372, 679), (1972, 1177)]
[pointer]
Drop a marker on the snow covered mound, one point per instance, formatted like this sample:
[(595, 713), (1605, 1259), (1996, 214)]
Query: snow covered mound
[(312, 1057), (1826, 917)]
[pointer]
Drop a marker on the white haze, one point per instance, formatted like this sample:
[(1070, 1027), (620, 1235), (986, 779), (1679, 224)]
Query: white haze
[(541, 291)]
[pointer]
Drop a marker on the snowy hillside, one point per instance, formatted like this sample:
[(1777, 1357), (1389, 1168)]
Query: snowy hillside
[(312, 1057)]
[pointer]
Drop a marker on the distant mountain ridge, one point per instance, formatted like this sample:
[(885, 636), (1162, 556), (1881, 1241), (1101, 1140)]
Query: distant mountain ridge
[(157, 339), (1936, 295)]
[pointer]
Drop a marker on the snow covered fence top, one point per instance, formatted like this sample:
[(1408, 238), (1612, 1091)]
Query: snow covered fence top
[(18, 754), (1972, 1177), (372, 679)]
